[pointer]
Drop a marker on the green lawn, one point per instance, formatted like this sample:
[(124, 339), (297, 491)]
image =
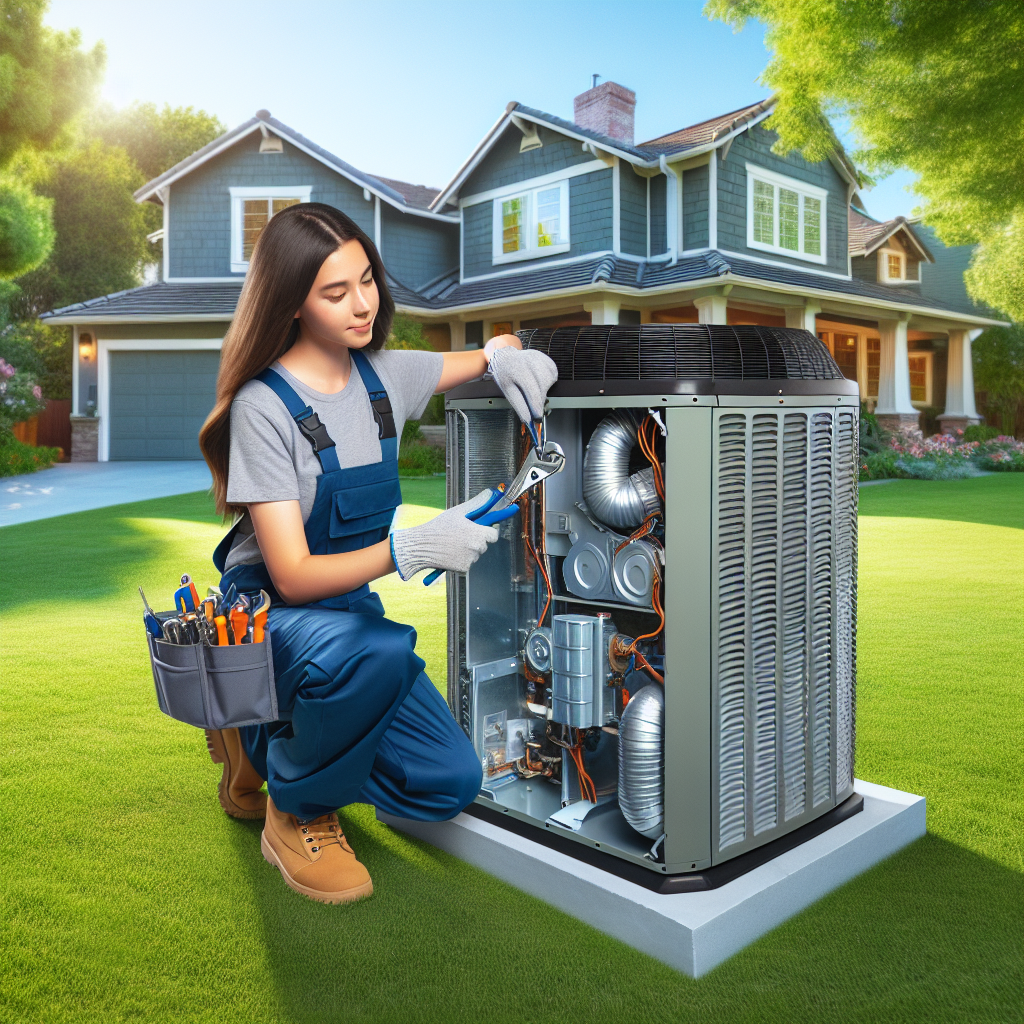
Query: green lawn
[(127, 895)]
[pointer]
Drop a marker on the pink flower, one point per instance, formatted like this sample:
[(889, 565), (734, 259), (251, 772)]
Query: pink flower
[(6, 369), (37, 393)]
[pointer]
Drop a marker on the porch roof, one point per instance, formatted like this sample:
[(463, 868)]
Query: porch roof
[(175, 301)]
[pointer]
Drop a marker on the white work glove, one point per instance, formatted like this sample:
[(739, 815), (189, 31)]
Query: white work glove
[(449, 541), (524, 377)]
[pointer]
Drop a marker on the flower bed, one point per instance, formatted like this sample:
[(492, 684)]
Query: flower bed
[(909, 455)]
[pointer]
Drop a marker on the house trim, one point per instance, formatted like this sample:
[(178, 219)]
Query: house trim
[(231, 138), (503, 191), (103, 350), (716, 281)]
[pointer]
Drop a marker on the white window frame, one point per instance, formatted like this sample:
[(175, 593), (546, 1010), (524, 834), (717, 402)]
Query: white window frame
[(777, 181), (239, 195), (532, 251), (883, 266)]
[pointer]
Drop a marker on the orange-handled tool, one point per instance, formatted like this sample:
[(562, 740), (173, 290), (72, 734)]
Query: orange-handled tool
[(239, 623), (221, 623)]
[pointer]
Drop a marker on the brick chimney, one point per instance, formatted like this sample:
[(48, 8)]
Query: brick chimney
[(607, 108)]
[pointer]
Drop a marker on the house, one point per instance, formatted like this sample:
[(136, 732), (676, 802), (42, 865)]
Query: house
[(546, 222)]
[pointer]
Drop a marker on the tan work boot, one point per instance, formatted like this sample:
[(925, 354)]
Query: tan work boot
[(239, 789), (314, 857)]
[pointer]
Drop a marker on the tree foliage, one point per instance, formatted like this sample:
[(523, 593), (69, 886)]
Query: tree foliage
[(26, 228), (155, 139), (45, 77), (998, 358), (935, 86), (100, 229)]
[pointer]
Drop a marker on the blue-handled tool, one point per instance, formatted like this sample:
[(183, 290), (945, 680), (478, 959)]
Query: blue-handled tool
[(152, 623), (540, 463)]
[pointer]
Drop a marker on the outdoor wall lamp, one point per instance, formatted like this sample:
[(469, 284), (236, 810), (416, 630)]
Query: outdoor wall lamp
[(85, 349)]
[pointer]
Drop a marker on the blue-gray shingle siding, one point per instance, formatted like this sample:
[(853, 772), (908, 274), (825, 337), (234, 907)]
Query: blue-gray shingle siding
[(505, 165), (695, 208), (943, 280), (659, 237), (633, 211), (755, 146), (590, 226), (199, 242), (416, 250)]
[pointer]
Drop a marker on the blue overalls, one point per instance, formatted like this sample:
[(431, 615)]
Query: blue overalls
[(366, 724)]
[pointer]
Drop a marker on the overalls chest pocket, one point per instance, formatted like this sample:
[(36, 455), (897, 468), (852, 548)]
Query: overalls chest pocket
[(363, 506)]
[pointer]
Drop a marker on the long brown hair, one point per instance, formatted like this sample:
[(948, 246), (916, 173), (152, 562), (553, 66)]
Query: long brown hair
[(287, 256)]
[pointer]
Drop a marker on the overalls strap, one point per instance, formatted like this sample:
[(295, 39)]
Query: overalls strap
[(381, 406), (305, 419)]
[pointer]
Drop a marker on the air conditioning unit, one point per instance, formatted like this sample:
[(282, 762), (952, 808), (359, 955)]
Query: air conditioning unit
[(656, 662)]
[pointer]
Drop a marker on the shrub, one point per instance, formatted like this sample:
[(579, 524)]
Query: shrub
[(17, 458), (976, 432), (20, 396), (879, 465), (420, 459)]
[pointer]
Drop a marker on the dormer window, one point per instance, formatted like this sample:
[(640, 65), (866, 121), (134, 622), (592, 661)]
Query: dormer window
[(531, 223), (785, 216), (892, 266), (251, 210)]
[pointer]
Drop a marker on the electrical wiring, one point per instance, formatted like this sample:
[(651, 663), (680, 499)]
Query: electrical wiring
[(647, 446)]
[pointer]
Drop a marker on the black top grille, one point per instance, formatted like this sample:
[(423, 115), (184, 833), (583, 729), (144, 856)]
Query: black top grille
[(683, 351)]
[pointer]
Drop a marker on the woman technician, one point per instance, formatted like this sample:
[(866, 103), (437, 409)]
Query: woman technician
[(303, 444)]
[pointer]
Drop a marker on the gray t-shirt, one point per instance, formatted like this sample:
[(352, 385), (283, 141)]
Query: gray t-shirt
[(272, 461)]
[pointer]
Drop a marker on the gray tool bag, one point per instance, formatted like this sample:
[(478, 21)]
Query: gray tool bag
[(214, 687)]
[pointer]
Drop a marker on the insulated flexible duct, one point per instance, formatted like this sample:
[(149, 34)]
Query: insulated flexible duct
[(619, 500), (642, 761)]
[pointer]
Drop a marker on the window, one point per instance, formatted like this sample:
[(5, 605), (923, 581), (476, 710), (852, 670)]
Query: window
[(251, 209), (874, 361), (920, 364), (844, 351), (892, 266), (785, 216), (531, 224)]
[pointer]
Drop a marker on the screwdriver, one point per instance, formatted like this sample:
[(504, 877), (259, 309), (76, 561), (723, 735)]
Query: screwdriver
[(240, 618)]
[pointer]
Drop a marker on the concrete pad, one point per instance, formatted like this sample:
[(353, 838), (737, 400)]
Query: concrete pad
[(692, 932), (80, 486)]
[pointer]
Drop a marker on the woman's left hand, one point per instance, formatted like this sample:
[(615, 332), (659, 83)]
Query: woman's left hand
[(524, 379)]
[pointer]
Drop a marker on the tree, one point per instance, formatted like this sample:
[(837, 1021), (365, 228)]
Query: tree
[(100, 228), (155, 139), (935, 86), (998, 358), (45, 79), (26, 228)]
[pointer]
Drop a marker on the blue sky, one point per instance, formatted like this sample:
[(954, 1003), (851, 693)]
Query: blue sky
[(407, 89)]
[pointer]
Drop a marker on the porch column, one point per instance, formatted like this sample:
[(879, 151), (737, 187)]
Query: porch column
[(712, 309), (458, 329), (960, 411), (803, 316), (894, 410), (603, 311)]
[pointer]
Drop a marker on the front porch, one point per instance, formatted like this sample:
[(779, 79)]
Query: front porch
[(913, 368)]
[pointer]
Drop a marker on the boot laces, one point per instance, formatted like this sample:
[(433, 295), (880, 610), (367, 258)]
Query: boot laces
[(321, 831)]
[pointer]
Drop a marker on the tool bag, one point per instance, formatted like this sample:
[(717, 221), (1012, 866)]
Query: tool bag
[(214, 687)]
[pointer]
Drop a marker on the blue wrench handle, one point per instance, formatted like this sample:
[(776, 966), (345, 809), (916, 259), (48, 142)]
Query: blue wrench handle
[(484, 517)]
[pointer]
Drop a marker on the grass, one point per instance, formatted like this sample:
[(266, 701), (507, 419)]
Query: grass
[(127, 895)]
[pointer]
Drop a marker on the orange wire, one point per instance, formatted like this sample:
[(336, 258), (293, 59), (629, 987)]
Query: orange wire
[(543, 572)]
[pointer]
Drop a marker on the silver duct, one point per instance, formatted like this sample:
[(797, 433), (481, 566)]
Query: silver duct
[(619, 500), (642, 761)]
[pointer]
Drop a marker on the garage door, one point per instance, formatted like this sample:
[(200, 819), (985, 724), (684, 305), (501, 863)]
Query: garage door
[(158, 402)]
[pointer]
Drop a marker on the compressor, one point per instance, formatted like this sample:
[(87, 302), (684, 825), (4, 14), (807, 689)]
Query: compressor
[(656, 662)]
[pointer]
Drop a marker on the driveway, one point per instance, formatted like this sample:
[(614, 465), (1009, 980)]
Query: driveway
[(78, 486)]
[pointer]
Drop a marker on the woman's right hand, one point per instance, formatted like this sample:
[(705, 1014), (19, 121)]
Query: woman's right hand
[(449, 541)]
